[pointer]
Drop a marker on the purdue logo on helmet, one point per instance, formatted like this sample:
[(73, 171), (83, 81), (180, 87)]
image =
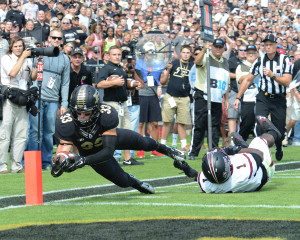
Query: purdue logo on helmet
[(85, 98), (216, 166)]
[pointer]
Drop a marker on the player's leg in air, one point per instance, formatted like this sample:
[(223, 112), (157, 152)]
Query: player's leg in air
[(128, 139)]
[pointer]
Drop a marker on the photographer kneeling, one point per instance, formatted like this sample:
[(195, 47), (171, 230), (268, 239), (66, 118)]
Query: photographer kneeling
[(16, 69)]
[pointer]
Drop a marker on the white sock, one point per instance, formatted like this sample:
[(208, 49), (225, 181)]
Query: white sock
[(183, 143), (163, 141), (174, 141)]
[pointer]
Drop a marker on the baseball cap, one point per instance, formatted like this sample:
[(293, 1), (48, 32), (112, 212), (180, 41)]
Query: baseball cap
[(59, 2), (186, 29), (172, 32), (77, 50), (59, 13), (196, 21), (271, 38), (295, 38), (218, 42), (184, 20), (250, 39), (149, 46), (251, 47), (252, 25)]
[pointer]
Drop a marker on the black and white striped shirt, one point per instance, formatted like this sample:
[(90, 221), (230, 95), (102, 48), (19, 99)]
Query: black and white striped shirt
[(279, 65)]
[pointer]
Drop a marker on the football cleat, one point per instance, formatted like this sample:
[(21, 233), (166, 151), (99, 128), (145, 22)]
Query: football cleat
[(279, 153), (131, 162), (190, 172), (238, 140), (267, 125), (143, 187), (175, 154)]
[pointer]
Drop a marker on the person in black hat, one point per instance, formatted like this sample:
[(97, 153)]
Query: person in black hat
[(219, 77), (249, 97), (275, 76), (79, 75), (15, 14), (180, 41)]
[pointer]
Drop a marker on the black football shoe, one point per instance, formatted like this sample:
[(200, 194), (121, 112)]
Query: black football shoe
[(238, 140), (190, 172), (132, 162), (279, 153), (143, 187), (267, 125), (171, 152)]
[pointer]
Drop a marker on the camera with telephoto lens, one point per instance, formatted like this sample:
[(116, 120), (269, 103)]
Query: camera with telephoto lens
[(129, 62), (49, 52)]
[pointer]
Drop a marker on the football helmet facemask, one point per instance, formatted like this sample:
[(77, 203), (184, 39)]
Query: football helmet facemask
[(85, 98), (216, 166)]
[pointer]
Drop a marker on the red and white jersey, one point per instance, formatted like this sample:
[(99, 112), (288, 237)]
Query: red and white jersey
[(245, 177)]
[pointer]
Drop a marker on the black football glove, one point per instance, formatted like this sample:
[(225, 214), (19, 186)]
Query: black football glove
[(231, 150), (57, 167), (74, 163)]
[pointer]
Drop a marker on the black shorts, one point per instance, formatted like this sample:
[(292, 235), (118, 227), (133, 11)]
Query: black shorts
[(259, 163), (150, 110)]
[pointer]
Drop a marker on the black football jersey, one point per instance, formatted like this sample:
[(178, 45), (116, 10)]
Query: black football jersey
[(87, 140)]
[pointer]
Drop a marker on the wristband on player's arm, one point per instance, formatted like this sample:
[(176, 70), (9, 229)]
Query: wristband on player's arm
[(109, 145)]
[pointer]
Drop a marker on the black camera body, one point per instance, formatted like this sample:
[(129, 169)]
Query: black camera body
[(129, 62), (49, 52)]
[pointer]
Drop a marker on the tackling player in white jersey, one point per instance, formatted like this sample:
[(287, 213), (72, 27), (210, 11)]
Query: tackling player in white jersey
[(239, 168)]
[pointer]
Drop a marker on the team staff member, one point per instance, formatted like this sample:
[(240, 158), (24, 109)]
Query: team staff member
[(219, 74), (275, 76), (15, 71), (177, 100), (79, 75), (113, 79), (237, 169), (248, 103)]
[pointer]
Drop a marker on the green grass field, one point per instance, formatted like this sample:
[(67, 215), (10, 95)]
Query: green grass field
[(83, 198)]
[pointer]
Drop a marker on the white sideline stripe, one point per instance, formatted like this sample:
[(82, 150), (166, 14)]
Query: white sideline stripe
[(95, 186), (91, 196), (175, 205)]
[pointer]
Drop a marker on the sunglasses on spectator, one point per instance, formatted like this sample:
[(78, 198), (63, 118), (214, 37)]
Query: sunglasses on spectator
[(55, 21), (54, 38), (70, 46), (242, 50), (65, 23), (107, 19)]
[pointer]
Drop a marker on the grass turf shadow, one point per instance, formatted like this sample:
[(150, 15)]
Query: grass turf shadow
[(159, 229)]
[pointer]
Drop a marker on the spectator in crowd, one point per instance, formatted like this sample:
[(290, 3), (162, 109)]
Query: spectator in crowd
[(180, 41), (16, 69), (83, 19), (219, 70), (68, 33), (54, 23), (113, 79), (79, 75), (275, 76), (95, 39), (176, 99), (3, 10), (68, 48), (80, 30), (110, 39), (16, 15), (54, 100), (249, 97), (42, 28), (30, 10), (43, 6)]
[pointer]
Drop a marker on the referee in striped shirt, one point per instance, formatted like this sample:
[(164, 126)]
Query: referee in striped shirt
[(275, 76)]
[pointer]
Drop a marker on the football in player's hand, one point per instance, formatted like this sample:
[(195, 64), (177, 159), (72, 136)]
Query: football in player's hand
[(61, 156)]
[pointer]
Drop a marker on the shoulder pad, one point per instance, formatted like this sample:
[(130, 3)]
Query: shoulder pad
[(65, 127), (108, 117)]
